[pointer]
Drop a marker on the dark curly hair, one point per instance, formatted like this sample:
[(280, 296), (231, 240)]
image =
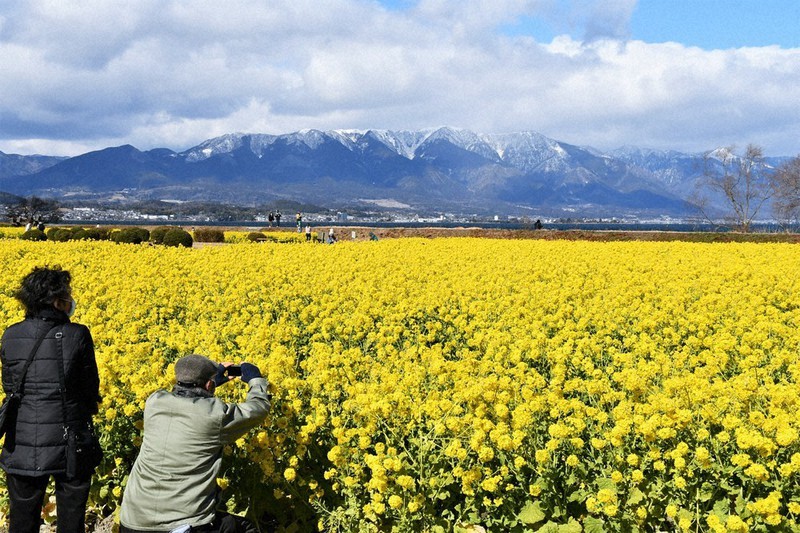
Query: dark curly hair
[(41, 287)]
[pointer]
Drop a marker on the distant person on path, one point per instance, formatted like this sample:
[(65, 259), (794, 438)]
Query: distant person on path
[(271, 218), (308, 233), (173, 482), (537, 224), (40, 226), (28, 226), (35, 446), (278, 218), (331, 236), (299, 219)]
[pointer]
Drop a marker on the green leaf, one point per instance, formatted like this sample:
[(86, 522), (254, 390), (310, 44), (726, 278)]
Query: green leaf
[(706, 492), (577, 496), (684, 514), (635, 497), (721, 509), (570, 527), (593, 525), (549, 527), (606, 483), (741, 504), (531, 513), (704, 496)]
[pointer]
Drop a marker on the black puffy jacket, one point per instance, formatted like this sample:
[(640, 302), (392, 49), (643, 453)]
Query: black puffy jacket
[(36, 444)]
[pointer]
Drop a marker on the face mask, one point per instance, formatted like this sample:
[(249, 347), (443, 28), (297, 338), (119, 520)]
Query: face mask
[(72, 306)]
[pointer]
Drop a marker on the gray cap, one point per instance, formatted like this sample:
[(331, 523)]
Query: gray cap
[(195, 369)]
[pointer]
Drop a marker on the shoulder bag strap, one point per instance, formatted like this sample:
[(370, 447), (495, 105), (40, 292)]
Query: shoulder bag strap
[(15, 387), (62, 382)]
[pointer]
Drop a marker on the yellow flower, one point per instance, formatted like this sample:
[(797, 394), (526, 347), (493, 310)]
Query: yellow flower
[(542, 456), (606, 496), (490, 484), (485, 453), (671, 510), (423, 359), (406, 482), (702, 454), (734, 524), (395, 501), (757, 472), (785, 436)]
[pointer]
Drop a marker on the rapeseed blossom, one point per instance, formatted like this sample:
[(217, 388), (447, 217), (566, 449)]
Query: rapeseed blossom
[(419, 382)]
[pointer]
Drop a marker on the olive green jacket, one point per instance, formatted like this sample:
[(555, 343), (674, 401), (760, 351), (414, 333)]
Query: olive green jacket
[(173, 481)]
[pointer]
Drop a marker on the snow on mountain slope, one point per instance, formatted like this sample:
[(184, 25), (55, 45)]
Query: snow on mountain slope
[(228, 143), (525, 150), (528, 150)]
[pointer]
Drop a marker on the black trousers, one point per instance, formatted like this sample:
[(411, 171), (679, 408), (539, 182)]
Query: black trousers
[(26, 496)]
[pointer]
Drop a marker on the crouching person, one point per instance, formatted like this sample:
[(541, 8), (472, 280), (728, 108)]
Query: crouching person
[(173, 483)]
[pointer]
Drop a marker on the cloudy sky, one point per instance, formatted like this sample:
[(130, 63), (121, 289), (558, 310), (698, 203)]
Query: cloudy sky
[(671, 74)]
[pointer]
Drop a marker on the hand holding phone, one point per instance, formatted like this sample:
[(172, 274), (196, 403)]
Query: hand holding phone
[(234, 370)]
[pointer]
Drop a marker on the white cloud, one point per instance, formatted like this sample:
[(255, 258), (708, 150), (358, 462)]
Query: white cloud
[(170, 73)]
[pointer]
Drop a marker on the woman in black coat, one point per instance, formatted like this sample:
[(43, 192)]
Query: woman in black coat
[(35, 445)]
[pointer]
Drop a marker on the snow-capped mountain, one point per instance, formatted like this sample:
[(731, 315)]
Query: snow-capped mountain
[(444, 168)]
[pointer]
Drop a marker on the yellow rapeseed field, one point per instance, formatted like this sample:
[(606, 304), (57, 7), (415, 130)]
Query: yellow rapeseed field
[(440, 385)]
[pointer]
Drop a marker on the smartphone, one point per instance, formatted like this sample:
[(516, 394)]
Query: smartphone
[(234, 370)]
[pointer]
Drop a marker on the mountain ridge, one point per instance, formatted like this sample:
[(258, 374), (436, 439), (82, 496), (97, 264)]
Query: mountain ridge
[(444, 169)]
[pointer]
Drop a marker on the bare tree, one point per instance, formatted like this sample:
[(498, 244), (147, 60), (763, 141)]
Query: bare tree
[(33, 209), (786, 182), (742, 183)]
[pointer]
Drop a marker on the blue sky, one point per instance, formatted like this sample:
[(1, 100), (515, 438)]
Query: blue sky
[(708, 24), (664, 74), (718, 24)]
